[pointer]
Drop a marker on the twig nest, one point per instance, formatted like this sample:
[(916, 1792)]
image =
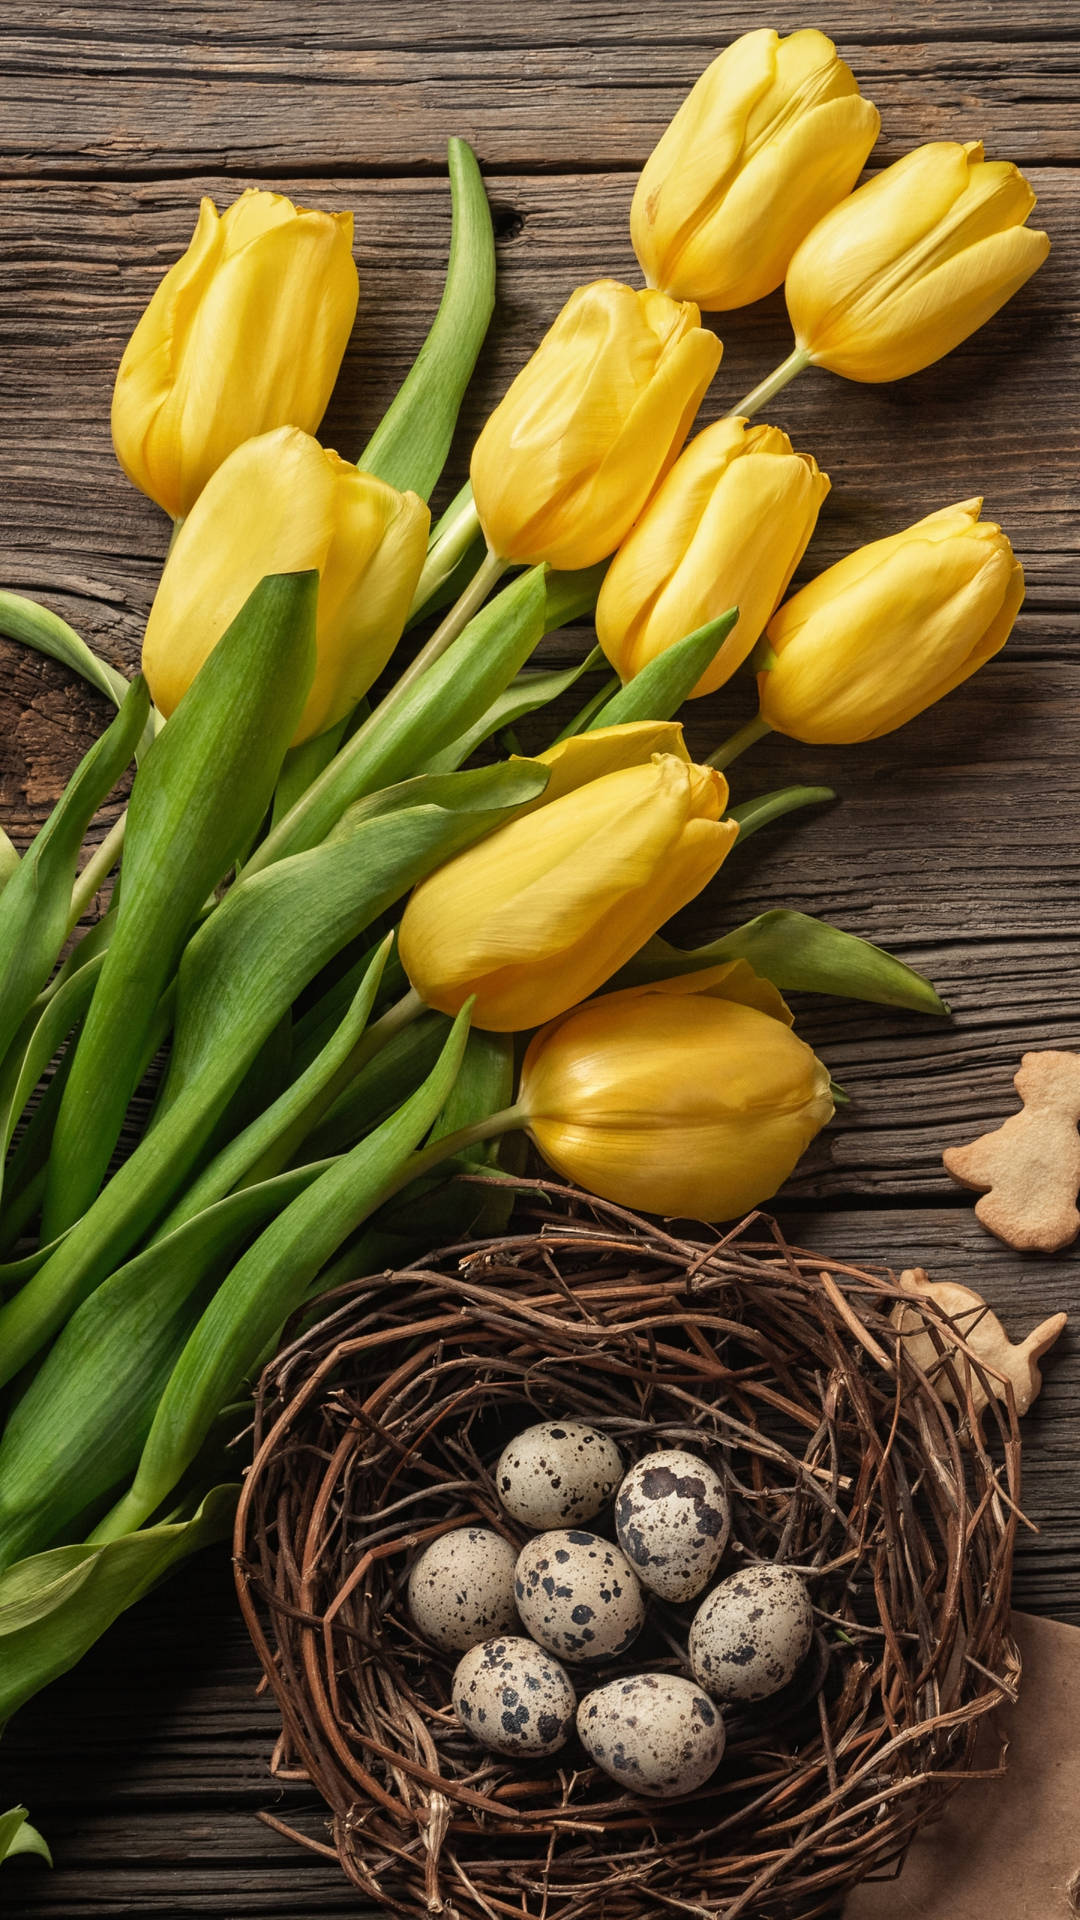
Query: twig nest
[(751, 1633), (380, 1428), (672, 1521), (655, 1733), (461, 1589), (557, 1474), (514, 1698), (578, 1595)]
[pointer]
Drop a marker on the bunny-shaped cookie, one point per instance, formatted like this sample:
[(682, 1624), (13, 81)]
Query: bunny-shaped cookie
[(1028, 1170)]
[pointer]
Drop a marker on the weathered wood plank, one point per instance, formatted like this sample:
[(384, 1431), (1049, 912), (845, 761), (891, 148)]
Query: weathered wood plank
[(378, 89)]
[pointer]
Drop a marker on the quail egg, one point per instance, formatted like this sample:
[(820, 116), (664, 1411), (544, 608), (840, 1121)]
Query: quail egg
[(749, 1635), (557, 1474), (512, 1696), (672, 1521), (461, 1590), (656, 1733), (577, 1595)]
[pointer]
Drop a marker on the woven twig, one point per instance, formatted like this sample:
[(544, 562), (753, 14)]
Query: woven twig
[(377, 1429)]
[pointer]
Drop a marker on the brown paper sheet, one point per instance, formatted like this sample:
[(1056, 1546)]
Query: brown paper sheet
[(1005, 1849)]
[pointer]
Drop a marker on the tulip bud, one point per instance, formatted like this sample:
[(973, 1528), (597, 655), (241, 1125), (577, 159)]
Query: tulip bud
[(726, 528), (892, 628), (283, 504), (911, 263), (774, 133), (588, 756), (548, 907), (245, 333), (569, 457), (689, 1097)]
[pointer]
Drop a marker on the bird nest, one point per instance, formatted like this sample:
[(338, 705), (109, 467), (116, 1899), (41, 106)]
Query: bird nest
[(378, 1429)]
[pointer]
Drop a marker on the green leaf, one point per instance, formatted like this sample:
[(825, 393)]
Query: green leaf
[(268, 1144), (271, 1282), (36, 627), (658, 691), (9, 859), (18, 1836), (117, 1574), (752, 815), (79, 1427), (381, 1085), (35, 903), (524, 695), (240, 973), (798, 954), (410, 446), (303, 764), (40, 1037), (197, 800), (409, 727)]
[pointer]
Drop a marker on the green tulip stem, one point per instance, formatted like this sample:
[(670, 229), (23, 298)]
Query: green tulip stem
[(759, 396), (452, 540), (737, 742), (97, 870), (583, 720), (751, 815), (490, 570), (508, 1120)]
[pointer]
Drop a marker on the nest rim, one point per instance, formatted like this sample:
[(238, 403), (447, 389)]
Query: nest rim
[(422, 1822)]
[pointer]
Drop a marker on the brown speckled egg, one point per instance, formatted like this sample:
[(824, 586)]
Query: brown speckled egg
[(749, 1635), (461, 1589), (513, 1697), (672, 1520), (655, 1733), (557, 1474), (578, 1595)]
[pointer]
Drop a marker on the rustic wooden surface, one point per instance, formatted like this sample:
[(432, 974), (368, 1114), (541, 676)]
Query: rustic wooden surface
[(955, 842)]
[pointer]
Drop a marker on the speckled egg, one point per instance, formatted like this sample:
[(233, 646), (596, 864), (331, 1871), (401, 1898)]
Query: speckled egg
[(672, 1520), (461, 1589), (557, 1474), (578, 1595), (513, 1697), (656, 1733), (749, 1635)]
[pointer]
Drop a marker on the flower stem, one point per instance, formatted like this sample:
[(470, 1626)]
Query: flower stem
[(490, 1128), (582, 721), (451, 543), (753, 814), (97, 869), (759, 396), (491, 568), (737, 743)]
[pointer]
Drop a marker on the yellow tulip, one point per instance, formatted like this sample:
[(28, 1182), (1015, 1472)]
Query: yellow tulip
[(548, 907), (887, 631), (281, 504), (688, 1097), (911, 263), (774, 133), (571, 454), (588, 756), (726, 528), (245, 333)]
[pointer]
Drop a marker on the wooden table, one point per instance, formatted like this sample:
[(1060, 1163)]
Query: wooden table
[(956, 843)]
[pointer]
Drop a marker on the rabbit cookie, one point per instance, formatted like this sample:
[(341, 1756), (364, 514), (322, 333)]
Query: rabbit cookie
[(1028, 1170)]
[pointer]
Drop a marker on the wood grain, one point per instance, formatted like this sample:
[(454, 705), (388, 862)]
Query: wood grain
[(954, 842)]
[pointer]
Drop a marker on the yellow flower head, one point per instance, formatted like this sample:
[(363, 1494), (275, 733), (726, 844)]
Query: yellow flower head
[(571, 454), (246, 332), (281, 504), (689, 1097), (911, 263), (726, 528), (774, 133)]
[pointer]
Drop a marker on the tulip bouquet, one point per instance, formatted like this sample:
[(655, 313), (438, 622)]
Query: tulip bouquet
[(372, 944)]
